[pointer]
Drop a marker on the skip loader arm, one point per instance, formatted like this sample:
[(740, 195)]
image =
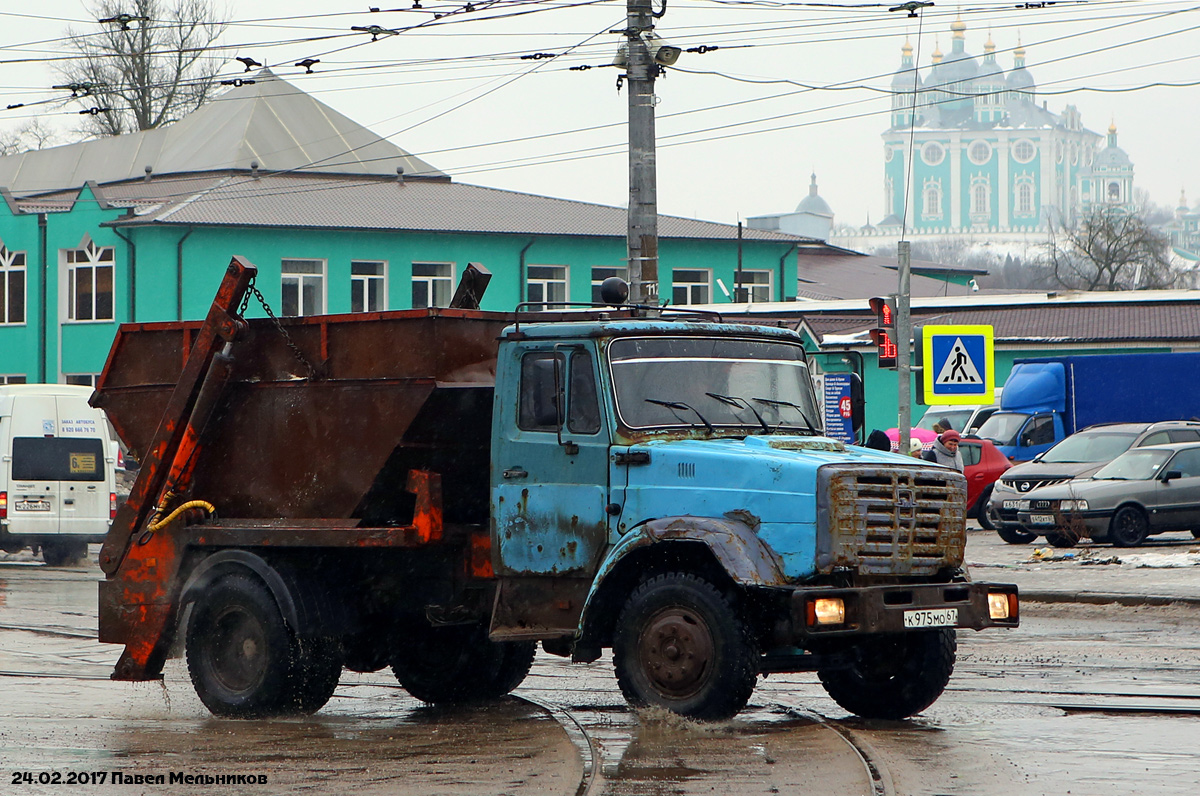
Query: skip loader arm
[(137, 600)]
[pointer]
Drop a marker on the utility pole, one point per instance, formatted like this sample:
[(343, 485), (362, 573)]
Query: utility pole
[(642, 217), (903, 341)]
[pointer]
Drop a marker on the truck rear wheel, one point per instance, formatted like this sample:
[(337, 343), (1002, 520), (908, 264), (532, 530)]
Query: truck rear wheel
[(893, 676), (458, 663), (245, 663), (680, 645)]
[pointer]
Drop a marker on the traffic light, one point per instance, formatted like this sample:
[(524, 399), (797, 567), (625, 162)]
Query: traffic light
[(883, 335)]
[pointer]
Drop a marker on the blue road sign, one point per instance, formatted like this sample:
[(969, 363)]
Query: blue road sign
[(959, 366)]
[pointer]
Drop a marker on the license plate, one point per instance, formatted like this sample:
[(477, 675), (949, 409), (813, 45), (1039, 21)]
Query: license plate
[(1041, 519), (936, 617), (1012, 504), (32, 505)]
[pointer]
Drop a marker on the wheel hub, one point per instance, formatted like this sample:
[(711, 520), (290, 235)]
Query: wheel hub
[(676, 651)]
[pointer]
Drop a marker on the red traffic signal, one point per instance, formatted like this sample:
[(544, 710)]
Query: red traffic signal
[(886, 347), (885, 312)]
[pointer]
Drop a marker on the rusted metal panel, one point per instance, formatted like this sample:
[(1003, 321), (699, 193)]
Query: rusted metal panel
[(538, 607), (890, 520)]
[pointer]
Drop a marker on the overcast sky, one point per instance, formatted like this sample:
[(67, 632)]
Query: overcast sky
[(791, 88)]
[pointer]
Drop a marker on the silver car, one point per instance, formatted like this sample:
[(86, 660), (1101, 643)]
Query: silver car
[(1141, 492)]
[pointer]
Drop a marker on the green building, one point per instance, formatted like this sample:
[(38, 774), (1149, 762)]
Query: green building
[(140, 228)]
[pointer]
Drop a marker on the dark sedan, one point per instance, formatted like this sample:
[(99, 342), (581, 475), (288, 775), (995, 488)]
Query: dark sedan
[(1143, 491)]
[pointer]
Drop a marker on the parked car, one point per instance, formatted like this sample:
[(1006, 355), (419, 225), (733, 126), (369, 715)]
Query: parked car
[(964, 418), (1077, 456), (982, 465), (1143, 491)]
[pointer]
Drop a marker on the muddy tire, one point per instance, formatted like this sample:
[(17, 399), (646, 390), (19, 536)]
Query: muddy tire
[(244, 662), (1014, 536), (1062, 538), (62, 554), (318, 670), (680, 645), (893, 676), (459, 664), (982, 517), (1128, 528)]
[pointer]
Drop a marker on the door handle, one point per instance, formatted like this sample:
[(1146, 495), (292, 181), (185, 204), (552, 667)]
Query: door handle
[(515, 472)]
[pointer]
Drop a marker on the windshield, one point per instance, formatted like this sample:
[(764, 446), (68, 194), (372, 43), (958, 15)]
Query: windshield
[(957, 418), (707, 381), (1088, 446), (1136, 465), (1002, 427)]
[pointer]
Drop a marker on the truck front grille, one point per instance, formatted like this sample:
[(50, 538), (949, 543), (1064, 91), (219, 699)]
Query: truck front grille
[(890, 520)]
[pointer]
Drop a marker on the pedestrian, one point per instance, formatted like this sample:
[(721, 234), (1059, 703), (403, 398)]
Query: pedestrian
[(879, 441), (938, 428), (945, 451), (915, 448)]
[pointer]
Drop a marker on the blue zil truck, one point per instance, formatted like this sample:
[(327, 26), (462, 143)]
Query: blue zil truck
[(439, 490), (1046, 400)]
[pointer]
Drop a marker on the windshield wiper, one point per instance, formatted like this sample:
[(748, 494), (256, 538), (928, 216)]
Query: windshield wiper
[(682, 405), (799, 409), (732, 400)]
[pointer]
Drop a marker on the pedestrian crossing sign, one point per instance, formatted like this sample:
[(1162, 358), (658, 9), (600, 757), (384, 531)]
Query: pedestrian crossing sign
[(959, 365)]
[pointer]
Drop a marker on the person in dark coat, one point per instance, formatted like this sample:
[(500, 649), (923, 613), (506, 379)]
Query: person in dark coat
[(945, 451), (879, 441)]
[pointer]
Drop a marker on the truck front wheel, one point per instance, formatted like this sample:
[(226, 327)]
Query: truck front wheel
[(680, 645), (893, 676), (245, 663)]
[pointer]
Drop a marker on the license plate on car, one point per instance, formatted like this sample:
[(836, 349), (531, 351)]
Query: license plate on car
[(1041, 519), (32, 505), (931, 617), (1012, 504)]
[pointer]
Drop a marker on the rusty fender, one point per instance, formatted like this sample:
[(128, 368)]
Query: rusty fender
[(732, 541)]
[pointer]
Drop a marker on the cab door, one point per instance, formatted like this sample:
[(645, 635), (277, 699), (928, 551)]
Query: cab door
[(549, 487)]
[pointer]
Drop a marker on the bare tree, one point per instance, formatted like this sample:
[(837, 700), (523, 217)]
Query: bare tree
[(148, 66), (32, 135), (1111, 250)]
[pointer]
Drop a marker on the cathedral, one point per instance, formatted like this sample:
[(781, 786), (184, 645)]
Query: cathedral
[(988, 160)]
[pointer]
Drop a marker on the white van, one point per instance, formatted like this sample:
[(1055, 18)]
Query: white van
[(58, 458)]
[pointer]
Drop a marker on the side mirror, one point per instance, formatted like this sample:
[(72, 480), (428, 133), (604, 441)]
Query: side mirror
[(1169, 474)]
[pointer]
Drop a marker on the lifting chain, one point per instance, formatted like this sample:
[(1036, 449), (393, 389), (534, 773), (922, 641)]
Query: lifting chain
[(287, 338)]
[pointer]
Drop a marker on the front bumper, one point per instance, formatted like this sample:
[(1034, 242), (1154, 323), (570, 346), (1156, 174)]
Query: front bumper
[(1095, 523), (881, 609)]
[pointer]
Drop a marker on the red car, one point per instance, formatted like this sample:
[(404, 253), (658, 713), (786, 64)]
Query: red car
[(982, 465)]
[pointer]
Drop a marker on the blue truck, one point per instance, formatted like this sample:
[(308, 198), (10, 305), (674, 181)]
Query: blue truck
[(1047, 399), (440, 490)]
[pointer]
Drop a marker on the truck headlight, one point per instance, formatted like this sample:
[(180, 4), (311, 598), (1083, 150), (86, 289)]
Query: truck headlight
[(826, 611), (1073, 505), (1002, 606)]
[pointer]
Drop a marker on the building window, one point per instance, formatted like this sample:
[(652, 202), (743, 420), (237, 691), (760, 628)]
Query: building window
[(368, 286), (13, 379), (933, 200), (981, 197), (691, 286), (602, 272), (303, 287), (81, 379), (980, 152), (933, 153), (432, 284), (12, 286), (90, 282), (1024, 151), (757, 285), (1024, 197), (546, 283)]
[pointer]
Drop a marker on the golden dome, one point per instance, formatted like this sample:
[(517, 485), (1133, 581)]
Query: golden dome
[(959, 27), (907, 48)]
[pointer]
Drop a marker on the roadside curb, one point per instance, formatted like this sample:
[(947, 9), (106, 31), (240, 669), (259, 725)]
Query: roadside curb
[(1103, 598)]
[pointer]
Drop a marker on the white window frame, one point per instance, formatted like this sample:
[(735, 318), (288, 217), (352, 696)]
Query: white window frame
[(759, 292), (547, 286), (932, 200), (438, 287), (81, 379), (371, 286), (691, 288), (602, 272), (981, 197), (1021, 144), (13, 263), (95, 260), (1024, 197), (14, 378), (977, 145), (932, 157), (302, 280)]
